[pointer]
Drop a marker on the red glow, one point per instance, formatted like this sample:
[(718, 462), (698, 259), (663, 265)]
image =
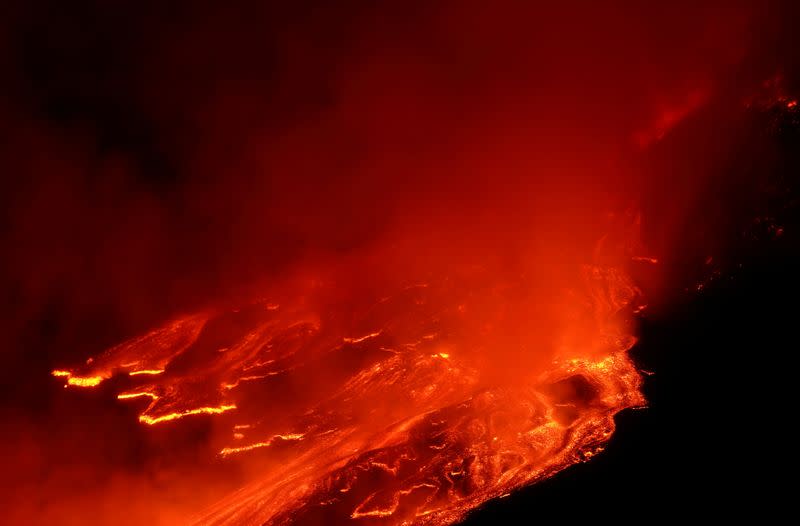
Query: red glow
[(421, 418), (345, 265)]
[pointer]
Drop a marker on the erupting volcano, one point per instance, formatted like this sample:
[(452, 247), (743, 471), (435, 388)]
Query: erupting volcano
[(394, 263)]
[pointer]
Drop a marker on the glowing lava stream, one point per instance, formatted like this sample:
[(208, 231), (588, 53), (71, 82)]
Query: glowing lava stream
[(431, 404), (196, 411)]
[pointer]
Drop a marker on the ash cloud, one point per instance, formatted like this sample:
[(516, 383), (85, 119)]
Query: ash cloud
[(161, 157)]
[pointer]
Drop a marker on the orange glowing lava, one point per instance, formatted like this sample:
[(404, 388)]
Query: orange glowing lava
[(146, 371), (145, 419), (79, 381), (440, 397)]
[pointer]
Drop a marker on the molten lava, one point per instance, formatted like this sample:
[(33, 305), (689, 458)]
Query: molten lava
[(408, 408)]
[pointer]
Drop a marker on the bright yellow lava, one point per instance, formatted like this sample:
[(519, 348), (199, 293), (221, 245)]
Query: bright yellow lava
[(150, 420), (88, 381), (146, 371), (78, 381), (128, 396)]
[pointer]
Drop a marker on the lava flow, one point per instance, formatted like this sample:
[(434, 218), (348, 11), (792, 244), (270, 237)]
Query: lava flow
[(413, 408)]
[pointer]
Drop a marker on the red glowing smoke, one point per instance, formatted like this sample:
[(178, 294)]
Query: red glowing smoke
[(168, 159)]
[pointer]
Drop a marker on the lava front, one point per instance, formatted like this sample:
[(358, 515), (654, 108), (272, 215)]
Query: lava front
[(412, 406)]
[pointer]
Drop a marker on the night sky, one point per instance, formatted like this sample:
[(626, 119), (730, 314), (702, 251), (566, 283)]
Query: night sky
[(159, 158)]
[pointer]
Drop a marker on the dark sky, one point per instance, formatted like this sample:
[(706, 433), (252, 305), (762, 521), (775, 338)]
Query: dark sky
[(158, 155)]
